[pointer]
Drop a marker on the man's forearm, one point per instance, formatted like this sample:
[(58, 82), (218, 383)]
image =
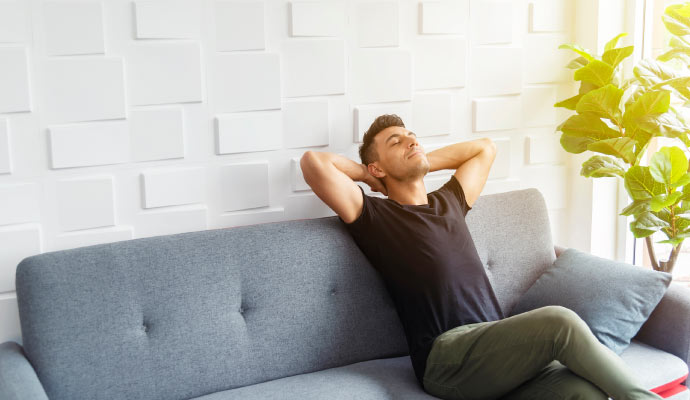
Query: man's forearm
[(454, 155), (354, 170)]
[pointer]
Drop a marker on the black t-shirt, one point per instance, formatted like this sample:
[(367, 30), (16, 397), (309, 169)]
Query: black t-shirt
[(429, 263)]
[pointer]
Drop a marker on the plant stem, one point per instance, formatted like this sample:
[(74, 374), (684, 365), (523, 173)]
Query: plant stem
[(650, 250)]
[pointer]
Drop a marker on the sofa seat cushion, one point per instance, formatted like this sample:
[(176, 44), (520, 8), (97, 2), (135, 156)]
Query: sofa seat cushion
[(657, 370)]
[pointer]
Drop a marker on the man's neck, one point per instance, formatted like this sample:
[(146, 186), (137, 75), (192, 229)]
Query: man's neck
[(407, 192)]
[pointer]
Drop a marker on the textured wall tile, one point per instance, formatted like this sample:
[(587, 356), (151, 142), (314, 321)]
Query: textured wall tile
[(381, 75), (19, 203), (493, 21), (90, 237), (439, 63), (446, 16), (305, 123), (73, 27), (377, 24), (309, 205), (167, 222), (366, 114), (14, 24), (550, 15), (173, 186), (537, 105), (251, 217), (157, 133), (5, 155), (239, 25), (245, 185), (297, 181), (81, 145), (434, 182), (247, 132), (246, 82), (551, 180), (431, 114), (85, 203), (312, 18), (494, 71), (545, 148), (313, 67), (10, 329), (501, 166), (497, 113), (161, 73), (14, 80), (168, 19), (544, 61), (500, 186), (18, 242), (83, 89)]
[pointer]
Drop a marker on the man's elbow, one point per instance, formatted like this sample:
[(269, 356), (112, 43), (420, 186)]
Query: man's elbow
[(490, 147)]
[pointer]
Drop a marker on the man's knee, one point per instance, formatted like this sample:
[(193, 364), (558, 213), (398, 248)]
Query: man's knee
[(560, 316)]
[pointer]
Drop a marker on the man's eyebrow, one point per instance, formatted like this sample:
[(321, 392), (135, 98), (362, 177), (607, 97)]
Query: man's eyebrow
[(397, 134)]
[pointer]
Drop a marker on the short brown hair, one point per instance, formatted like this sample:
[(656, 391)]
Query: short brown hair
[(367, 151)]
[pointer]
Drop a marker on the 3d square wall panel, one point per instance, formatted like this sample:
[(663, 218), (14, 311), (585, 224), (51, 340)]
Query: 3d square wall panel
[(537, 105), (501, 165), (174, 186), (381, 75), (550, 15), (5, 154), (250, 131), (14, 80), (245, 82), (377, 24), (439, 63), (313, 67), (157, 133), (432, 114), (545, 148), (244, 185), (366, 114), (81, 145), (497, 113), (250, 217), (85, 203), (18, 242), (14, 22), (492, 21), (83, 89), (551, 180), (90, 237), (168, 19), (494, 71), (73, 27), (159, 222), (313, 18), (305, 123), (162, 73), (297, 181), (19, 203), (445, 16), (239, 25), (544, 61)]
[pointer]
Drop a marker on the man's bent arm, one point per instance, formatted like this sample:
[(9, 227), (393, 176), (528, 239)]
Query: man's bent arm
[(454, 155), (355, 171)]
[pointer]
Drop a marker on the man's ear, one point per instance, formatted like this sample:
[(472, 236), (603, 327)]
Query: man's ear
[(375, 170)]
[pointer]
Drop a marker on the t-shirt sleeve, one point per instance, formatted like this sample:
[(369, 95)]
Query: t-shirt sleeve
[(454, 187), (365, 218)]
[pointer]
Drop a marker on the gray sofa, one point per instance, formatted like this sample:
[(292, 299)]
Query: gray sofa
[(283, 310)]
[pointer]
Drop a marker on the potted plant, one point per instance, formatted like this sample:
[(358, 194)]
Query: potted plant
[(618, 117)]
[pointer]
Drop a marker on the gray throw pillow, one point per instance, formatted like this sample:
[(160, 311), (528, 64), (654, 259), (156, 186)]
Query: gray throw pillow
[(613, 297)]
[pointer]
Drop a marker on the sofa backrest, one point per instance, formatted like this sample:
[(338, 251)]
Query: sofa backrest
[(179, 316)]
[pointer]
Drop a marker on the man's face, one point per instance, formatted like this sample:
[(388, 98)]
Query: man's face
[(401, 156)]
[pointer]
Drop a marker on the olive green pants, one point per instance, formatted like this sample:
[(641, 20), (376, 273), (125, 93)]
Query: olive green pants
[(547, 353)]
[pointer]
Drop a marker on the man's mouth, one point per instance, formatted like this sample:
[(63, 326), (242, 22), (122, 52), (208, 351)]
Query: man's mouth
[(414, 153)]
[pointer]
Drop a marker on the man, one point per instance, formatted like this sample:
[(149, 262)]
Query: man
[(460, 343)]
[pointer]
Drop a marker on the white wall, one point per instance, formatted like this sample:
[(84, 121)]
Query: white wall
[(122, 120)]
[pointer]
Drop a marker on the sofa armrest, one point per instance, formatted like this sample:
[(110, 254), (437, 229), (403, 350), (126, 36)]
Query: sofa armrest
[(18, 380), (668, 327), (559, 249)]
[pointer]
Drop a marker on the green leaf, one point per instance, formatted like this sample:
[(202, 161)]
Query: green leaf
[(640, 233), (668, 165), (636, 207), (579, 50), (666, 124), (674, 53), (611, 44), (650, 72), (577, 63), (602, 166), (679, 84), (596, 72), (614, 57), (641, 185), (649, 103), (684, 180), (663, 200), (649, 221), (621, 147), (586, 87), (675, 242), (676, 19), (587, 126), (570, 103), (603, 102)]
